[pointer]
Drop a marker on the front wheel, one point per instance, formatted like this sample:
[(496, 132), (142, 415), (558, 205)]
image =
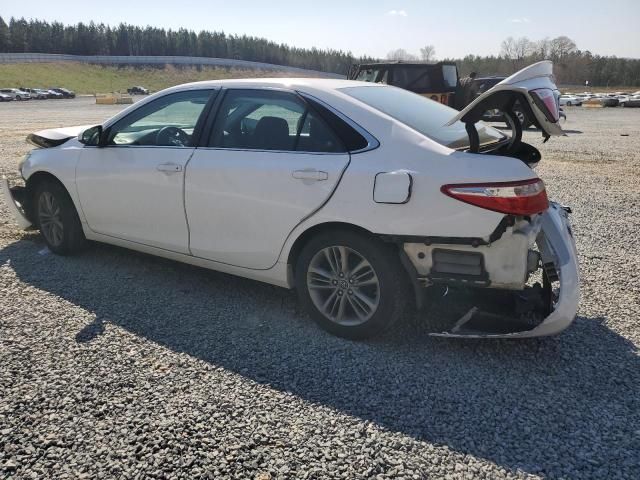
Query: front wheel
[(352, 285), (57, 219)]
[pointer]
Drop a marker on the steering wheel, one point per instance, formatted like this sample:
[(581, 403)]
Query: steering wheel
[(172, 137)]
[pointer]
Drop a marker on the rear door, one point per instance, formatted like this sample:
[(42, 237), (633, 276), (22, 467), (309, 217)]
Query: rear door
[(533, 87), (269, 163)]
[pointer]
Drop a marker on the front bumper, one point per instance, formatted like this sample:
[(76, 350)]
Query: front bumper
[(557, 245), (14, 204)]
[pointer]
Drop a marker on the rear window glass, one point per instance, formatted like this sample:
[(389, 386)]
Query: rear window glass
[(421, 114)]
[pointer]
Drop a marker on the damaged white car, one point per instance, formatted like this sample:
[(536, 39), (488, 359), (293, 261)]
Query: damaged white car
[(361, 196)]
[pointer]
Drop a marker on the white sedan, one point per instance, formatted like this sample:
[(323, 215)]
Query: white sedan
[(570, 100), (361, 196)]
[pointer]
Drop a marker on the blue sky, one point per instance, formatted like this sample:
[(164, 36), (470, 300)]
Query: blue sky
[(372, 27)]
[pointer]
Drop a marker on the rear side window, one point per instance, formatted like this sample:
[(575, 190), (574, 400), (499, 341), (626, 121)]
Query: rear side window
[(271, 120), (351, 139)]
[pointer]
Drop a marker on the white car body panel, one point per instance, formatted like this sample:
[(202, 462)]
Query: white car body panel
[(232, 195), (123, 194)]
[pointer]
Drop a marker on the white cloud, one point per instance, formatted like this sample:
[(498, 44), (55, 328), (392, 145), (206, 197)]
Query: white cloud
[(397, 13), (520, 20)]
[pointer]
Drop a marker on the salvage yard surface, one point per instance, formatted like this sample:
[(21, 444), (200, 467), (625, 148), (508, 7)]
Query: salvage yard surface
[(115, 364)]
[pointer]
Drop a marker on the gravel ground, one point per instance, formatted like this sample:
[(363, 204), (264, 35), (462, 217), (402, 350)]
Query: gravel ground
[(117, 364)]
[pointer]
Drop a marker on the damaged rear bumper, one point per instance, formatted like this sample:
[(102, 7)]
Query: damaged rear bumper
[(13, 199), (557, 247)]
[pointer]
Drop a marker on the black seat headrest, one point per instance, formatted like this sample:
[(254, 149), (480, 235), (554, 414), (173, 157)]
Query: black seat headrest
[(272, 133)]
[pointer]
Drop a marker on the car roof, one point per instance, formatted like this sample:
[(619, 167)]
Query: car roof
[(327, 84)]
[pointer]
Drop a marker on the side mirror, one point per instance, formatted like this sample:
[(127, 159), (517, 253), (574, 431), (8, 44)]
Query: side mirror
[(91, 136)]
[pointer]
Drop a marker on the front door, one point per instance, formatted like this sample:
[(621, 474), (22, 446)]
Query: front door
[(132, 187), (270, 162)]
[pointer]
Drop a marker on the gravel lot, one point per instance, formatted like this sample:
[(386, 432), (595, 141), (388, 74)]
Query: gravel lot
[(117, 364)]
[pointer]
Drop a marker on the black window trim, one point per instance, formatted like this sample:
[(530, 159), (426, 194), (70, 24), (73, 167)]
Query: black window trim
[(372, 142)]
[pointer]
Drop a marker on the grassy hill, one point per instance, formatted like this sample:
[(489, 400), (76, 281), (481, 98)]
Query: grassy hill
[(86, 78)]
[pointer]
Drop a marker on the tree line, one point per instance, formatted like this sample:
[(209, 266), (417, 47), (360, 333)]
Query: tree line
[(37, 36), (572, 65)]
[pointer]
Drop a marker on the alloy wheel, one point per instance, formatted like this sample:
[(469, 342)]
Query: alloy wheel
[(343, 285), (49, 216)]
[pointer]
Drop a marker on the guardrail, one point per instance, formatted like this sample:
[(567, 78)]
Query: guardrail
[(155, 60)]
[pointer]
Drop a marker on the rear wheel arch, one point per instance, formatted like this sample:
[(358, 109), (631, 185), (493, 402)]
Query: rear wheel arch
[(357, 306), (311, 232)]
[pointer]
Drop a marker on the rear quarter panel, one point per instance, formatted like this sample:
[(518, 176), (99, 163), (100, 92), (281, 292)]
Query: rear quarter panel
[(431, 165)]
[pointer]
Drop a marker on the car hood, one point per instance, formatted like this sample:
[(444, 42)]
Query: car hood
[(518, 87), (53, 137)]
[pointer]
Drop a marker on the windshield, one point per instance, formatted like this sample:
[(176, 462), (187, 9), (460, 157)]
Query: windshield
[(421, 114)]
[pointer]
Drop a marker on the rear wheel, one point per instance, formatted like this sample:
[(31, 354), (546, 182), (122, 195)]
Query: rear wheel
[(57, 219), (352, 285)]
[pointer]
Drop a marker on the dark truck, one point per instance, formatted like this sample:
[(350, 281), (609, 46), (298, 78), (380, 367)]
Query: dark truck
[(437, 81)]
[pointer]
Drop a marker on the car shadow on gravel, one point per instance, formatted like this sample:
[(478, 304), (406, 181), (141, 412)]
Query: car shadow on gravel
[(548, 406)]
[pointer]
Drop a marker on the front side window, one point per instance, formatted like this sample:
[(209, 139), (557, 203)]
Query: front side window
[(271, 120), (168, 121)]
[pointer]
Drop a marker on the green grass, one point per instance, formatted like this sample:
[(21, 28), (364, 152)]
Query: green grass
[(86, 78)]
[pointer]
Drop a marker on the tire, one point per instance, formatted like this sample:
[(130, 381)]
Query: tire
[(358, 306), (57, 219), (569, 104)]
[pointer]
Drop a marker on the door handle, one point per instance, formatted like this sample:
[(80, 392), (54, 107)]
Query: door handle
[(310, 174), (169, 168)]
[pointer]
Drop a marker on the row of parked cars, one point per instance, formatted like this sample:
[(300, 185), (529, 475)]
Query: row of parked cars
[(623, 99), (23, 93)]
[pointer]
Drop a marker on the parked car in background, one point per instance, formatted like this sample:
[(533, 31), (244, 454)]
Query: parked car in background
[(36, 93), (16, 93), (608, 101), (631, 102), (55, 95), (358, 195), (4, 97), (570, 100), (64, 92), (137, 90)]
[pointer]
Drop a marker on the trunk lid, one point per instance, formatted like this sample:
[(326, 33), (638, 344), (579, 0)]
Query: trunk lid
[(533, 88)]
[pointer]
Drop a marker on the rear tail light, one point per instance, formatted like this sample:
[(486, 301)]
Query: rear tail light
[(546, 101), (526, 197)]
